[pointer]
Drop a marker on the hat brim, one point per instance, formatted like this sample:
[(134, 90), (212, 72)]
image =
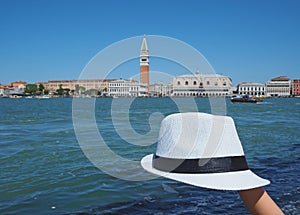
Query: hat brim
[(237, 180)]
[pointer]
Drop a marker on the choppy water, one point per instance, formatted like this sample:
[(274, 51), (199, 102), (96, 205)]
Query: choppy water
[(44, 171)]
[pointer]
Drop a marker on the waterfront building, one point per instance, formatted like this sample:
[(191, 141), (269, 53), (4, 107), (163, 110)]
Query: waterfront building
[(13, 89), (20, 85), (280, 86), (77, 85), (252, 89), (156, 90), (296, 87), (202, 85), (127, 88), (160, 90), (4, 92), (144, 63)]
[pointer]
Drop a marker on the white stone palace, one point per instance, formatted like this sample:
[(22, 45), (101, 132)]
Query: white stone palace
[(201, 85)]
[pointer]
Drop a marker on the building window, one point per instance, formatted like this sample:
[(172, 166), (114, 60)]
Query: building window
[(207, 82), (178, 82), (201, 84), (224, 83), (186, 83), (195, 82)]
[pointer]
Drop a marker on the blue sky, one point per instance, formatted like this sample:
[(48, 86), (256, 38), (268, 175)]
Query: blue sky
[(247, 40)]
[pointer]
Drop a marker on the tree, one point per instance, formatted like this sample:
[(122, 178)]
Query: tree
[(31, 89), (91, 92), (104, 92), (60, 90), (81, 89), (41, 88), (67, 91)]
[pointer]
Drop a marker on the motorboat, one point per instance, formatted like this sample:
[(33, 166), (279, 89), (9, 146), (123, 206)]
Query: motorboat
[(246, 99)]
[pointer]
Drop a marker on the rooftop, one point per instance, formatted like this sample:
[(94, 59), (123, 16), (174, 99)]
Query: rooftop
[(202, 75), (144, 46), (281, 78), (249, 83)]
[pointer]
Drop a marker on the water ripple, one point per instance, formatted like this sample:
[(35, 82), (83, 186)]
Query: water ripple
[(44, 171)]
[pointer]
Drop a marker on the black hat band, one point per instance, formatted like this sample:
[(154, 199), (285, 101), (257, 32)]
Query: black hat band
[(200, 165)]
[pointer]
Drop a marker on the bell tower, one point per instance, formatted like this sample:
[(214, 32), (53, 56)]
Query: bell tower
[(144, 63)]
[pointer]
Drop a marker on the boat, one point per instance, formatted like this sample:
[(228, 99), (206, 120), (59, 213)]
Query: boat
[(43, 97), (246, 99)]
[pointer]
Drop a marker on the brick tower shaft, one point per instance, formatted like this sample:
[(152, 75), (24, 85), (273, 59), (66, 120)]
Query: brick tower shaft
[(144, 63)]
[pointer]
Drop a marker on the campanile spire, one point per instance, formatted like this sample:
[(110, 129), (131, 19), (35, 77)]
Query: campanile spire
[(144, 62)]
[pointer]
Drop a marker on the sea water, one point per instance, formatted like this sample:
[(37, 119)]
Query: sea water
[(43, 169)]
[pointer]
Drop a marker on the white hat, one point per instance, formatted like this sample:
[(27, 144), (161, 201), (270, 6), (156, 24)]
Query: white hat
[(202, 150)]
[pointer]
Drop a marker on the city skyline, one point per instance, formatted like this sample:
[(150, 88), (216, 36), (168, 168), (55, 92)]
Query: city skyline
[(52, 40)]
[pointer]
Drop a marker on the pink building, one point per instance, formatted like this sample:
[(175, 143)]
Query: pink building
[(296, 88)]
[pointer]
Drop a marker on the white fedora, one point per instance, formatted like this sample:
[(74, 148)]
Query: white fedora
[(202, 150)]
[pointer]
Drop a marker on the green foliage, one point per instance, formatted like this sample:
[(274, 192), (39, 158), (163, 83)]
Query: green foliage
[(31, 89), (41, 88), (62, 91), (91, 92), (82, 89)]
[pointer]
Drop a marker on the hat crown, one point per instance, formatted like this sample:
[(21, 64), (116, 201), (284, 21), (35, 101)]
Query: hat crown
[(198, 135)]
